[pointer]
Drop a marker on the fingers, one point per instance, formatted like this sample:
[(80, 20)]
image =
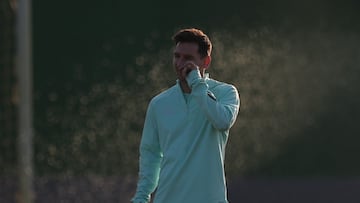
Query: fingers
[(188, 67), (184, 71)]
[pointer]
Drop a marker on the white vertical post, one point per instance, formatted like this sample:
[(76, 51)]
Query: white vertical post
[(24, 73)]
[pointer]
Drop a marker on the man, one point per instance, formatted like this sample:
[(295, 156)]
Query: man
[(186, 128)]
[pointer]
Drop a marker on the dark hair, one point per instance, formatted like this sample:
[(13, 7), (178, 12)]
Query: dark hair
[(196, 36)]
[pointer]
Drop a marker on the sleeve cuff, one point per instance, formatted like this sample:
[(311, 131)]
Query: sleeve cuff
[(193, 77)]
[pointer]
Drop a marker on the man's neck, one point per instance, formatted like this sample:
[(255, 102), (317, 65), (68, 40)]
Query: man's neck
[(185, 87)]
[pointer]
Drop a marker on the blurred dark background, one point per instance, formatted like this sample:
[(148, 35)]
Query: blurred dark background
[(97, 65)]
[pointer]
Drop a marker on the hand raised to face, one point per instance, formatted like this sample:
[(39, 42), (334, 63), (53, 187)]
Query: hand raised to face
[(187, 68)]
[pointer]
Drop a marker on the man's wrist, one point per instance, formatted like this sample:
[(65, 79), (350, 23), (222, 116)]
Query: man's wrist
[(193, 77)]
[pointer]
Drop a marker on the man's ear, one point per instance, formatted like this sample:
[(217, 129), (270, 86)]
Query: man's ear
[(207, 61)]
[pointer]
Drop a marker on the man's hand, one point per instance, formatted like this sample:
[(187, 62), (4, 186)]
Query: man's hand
[(187, 68)]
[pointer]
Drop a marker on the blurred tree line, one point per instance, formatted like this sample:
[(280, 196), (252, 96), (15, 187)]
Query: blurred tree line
[(97, 65), (8, 98)]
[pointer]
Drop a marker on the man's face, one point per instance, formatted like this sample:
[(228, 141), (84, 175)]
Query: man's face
[(185, 52)]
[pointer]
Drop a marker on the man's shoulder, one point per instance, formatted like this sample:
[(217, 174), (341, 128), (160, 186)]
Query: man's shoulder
[(223, 90), (164, 95), (219, 85)]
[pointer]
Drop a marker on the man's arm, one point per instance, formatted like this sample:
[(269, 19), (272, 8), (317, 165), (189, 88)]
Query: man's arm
[(150, 158), (221, 112)]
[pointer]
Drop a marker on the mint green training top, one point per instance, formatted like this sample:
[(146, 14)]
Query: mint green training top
[(182, 147)]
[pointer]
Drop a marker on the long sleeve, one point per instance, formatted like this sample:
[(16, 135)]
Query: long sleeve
[(150, 158), (221, 110)]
